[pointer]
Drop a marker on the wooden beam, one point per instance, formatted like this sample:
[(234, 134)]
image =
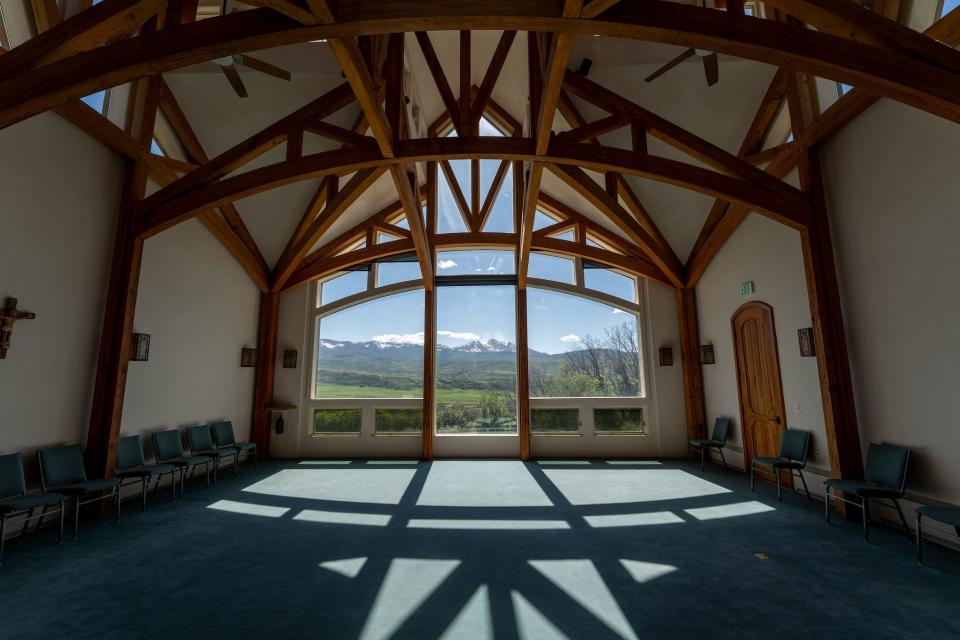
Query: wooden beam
[(46, 15), (791, 209), (694, 403), (595, 194), (490, 77), (440, 79), (429, 371), (337, 134), (463, 112), (595, 7), (292, 256), (405, 182), (523, 375), (260, 419), (287, 8), (826, 311), (594, 129), (106, 410), (358, 75), (895, 74)]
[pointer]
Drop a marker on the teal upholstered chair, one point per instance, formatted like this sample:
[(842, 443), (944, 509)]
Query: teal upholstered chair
[(132, 466), (794, 448), (223, 437), (718, 440), (201, 444), (169, 450), (885, 477), (62, 471), (946, 515), (14, 500)]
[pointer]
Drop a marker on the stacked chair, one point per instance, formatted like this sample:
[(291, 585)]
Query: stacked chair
[(223, 436), (169, 450), (62, 471), (132, 466), (15, 501), (201, 444)]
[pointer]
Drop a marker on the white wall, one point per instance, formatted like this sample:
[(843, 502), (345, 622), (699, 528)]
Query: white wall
[(895, 195), (59, 191), (768, 254), (200, 308)]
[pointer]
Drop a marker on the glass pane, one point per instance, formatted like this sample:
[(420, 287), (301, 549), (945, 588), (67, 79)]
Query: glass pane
[(95, 101), (386, 237), (581, 348), (476, 360), (549, 267), (610, 282), (449, 219), (482, 262), (398, 421), (402, 223), (619, 420), (948, 6), (372, 350), (336, 420), (555, 421), (155, 148), (500, 219), (542, 221), (393, 272), (592, 243), (342, 286)]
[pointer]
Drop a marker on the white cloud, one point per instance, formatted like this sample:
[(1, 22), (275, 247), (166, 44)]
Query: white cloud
[(397, 338), (491, 268), (446, 264), (570, 338), (616, 311), (459, 335)]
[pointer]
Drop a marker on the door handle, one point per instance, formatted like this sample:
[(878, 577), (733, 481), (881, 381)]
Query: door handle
[(777, 419)]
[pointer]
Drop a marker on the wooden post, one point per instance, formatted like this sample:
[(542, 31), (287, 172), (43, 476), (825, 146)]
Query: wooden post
[(106, 411), (833, 363), (690, 359), (260, 421), (429, 369), (523, 379)]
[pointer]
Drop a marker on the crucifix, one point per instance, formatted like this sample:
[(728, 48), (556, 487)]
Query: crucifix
[(8, 316)]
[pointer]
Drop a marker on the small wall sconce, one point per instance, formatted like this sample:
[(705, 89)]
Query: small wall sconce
[(140, 347), (707, 355), (808, 347), (248, 357), (289, 359), (666, 356)]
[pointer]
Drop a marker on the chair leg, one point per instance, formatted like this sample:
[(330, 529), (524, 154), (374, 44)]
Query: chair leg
[(63, 517), (26, 525), (173, 483), (752, 469), (236, 464), (116, 503), (826, 504), (703, 456), (76, 517), (3, 536), (919, 541), (255, 459), (146, 485), (804, 481), (903, 520), (776, 472), (865, 507), (723, 458)]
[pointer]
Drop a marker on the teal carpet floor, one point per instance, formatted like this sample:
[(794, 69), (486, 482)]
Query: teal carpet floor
[(469, 549)]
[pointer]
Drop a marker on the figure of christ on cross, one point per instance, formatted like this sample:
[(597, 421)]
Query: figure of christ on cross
[(8, 316)]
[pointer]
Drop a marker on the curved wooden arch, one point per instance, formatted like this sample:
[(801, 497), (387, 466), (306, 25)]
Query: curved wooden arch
[(790, 207), (893, 72)]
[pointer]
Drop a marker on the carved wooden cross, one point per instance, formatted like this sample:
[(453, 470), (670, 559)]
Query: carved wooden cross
[(7, 317)]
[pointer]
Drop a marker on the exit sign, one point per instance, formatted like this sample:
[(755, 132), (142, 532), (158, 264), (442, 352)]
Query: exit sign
[(746, 288)]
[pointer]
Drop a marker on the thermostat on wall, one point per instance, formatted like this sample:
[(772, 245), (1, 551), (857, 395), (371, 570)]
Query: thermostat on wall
[(746, 288)]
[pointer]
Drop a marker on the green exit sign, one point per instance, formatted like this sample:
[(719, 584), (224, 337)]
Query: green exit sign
[(746, 288)]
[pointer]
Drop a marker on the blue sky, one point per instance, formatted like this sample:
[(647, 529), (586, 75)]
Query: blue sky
[(949, 5), (557, 322)]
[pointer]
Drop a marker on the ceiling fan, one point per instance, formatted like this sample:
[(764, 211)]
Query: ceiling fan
[(229, 64), (711, 66)]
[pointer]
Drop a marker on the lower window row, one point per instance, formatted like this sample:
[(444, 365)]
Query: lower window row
[(630, 420)]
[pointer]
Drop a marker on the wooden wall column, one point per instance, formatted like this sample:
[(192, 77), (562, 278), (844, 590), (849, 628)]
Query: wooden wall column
[(833, 362), (523, 379), (690, 359), (429, 369), (106, 411), (260, 421)]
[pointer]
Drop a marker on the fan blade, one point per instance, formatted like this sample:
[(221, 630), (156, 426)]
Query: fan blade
[(670, 65), (711, 68), (263, 67), (234, 77)]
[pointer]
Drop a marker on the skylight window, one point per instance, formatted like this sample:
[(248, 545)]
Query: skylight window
[(155, 148), (947, 6), (842, 88), (97, 101)]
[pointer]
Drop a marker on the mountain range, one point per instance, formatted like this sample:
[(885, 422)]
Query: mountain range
[(398, 349)]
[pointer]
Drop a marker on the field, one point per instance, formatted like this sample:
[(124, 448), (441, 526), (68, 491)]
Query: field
[(328, 390)]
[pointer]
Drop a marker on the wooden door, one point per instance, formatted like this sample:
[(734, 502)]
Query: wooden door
[(758, 383)]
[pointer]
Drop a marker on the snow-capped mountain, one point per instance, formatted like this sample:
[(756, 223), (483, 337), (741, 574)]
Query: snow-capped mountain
[(344, 347)]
